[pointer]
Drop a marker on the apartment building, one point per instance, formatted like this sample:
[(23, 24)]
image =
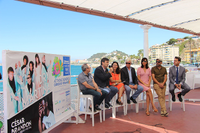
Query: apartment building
[(164, 52), (191, 55)]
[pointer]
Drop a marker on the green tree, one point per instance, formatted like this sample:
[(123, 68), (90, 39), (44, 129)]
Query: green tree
[(171, 41), (140, 53), (186, 37)]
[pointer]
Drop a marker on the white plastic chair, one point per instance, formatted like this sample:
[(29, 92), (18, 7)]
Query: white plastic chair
[(89, 98), (115, 105), (177, 100)]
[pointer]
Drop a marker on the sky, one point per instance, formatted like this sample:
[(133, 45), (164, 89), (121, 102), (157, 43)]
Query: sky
[(34, 28)]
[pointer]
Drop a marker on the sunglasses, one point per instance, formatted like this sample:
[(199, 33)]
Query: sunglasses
[(158, 61), (128, 63), (144, 61), (28, 78)]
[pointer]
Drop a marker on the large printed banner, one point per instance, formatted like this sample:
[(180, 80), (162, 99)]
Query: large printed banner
[(36, 90)]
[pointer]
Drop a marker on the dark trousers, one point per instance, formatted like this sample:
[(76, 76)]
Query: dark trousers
[(97, 97), (184, 86)]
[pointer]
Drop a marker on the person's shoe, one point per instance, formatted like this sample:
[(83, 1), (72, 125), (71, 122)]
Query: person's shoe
[(173, 98), (179, 97), (133, 100), (128, 101), (165, 115), (119, 102), (109, 104), (155, 110), (91, 109), (147, 113), (97, 108)]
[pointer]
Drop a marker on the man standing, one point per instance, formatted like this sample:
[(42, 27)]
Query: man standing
[(88, 86), (159, 76), (101, 77), (128, 76), (177, 79)]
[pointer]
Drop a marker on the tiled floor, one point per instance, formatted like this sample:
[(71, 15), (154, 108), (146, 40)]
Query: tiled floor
[(177, 122)]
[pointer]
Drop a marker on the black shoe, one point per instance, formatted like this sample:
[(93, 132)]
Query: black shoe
[(109, 104), (118, 102), (179, 97), (134, 101), (128, 101), (173, 98), (91, 109), (97, 108)]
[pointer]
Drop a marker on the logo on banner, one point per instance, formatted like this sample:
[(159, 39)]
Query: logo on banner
[(57, 67)]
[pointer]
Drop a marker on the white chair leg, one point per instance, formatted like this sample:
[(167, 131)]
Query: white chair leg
[(183, 102), (86, 108), (170, 103), (100, 114), (104, 110)]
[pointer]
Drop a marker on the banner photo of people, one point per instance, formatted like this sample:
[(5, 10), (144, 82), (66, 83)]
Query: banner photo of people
[(36, 90)]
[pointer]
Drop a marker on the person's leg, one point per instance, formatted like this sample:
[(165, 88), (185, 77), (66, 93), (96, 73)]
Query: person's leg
[(147, 102), (113, 91), (160, 97), (137, 92), (185, 88), (163, 107), (128, 91), (151, 100), (171, 89), (96, 95), (103, 96), (121, 91)]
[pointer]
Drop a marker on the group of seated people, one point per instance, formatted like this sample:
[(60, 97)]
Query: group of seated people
[(106, 84)]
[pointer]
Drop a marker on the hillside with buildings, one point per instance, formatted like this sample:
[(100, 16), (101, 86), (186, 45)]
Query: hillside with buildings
[(188, 48)]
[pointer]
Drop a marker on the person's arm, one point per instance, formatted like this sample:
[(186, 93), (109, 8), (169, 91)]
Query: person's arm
[(88, 86), (96, 86), (171, 76), (183, 80), (154, 79), (103, 76), (40, 115), (123, 75), (134, 77)]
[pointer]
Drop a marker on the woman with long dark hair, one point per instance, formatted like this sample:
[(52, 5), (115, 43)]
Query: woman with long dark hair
[(144, 77), (37, 72), (115, 81)]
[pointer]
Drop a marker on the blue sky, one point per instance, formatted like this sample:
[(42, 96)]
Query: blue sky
[(35, 28)]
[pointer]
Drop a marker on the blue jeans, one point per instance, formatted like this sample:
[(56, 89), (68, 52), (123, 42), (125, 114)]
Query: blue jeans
[(111, 92), (97, 97), (137, 92)]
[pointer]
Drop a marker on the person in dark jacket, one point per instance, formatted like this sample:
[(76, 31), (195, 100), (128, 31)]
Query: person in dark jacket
[(101, 77), (128, 76)]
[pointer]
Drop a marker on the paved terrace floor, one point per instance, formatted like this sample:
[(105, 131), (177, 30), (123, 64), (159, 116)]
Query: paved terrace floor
[(178, 121)]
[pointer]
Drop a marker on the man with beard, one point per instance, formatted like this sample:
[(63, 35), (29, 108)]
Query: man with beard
[(46, 116), (159, 76)]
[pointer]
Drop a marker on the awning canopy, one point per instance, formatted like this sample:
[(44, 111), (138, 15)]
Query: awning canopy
[(178, 15)]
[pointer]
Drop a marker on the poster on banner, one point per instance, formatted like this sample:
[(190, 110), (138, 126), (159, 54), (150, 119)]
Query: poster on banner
[(36, 90)]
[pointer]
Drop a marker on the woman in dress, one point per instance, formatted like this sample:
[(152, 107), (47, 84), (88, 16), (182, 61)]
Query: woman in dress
[(115, 81), (37, 72), (144, 77)]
